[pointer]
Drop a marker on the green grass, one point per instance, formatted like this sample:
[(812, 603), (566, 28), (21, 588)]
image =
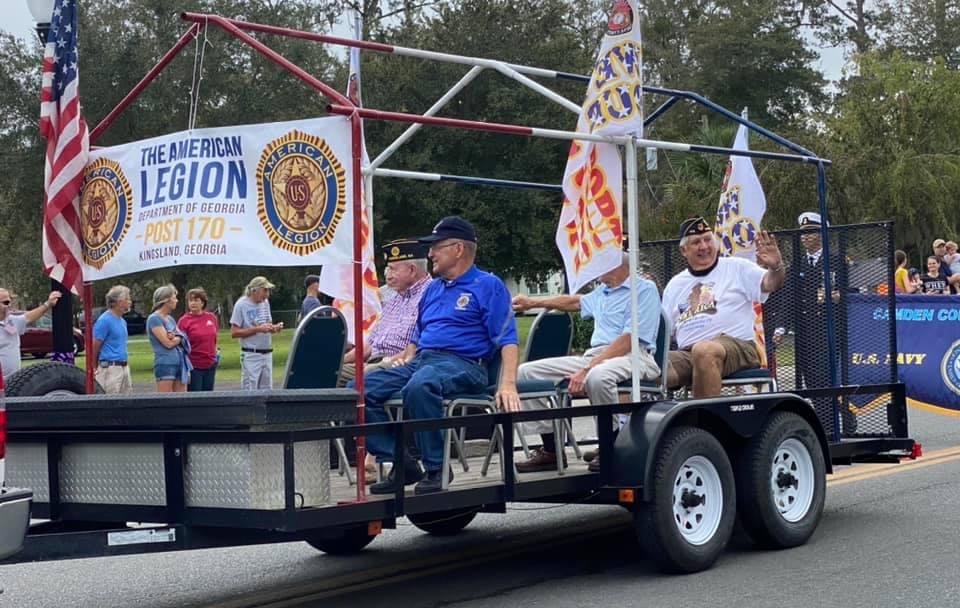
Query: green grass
[(140, 355)]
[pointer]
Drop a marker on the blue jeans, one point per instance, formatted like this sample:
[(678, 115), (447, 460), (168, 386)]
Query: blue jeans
[(202, 379), (424, 383)]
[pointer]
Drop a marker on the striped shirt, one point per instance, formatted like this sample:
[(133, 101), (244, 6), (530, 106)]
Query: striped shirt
[(391, 335)]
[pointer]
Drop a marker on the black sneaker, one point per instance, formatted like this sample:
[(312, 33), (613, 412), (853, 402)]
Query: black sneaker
[(433, 482), (412, 474)]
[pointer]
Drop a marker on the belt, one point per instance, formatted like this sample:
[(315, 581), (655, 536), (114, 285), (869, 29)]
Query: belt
[(259, 351), (113, 363)]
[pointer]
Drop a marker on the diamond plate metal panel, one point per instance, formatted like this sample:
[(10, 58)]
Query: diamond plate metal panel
[(250, 476), (27, 468), (113, 473)]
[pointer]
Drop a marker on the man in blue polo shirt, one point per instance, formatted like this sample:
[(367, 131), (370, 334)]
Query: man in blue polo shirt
[(465, 318)]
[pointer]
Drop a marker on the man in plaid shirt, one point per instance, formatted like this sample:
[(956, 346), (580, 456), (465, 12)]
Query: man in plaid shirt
[(407, 275)]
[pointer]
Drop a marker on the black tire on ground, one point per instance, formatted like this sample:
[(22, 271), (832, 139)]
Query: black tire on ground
[(679, 535), (781, 512), (342, 541), (443, 523), (48, 377)]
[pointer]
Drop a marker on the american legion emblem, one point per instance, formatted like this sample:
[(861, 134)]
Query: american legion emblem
[(301, 192), (106, 209)]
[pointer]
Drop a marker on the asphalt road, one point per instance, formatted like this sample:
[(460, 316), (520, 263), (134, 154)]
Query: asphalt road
[(887, 540)]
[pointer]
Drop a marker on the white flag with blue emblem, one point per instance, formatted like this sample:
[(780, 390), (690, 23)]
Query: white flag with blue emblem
[(739, 217), (742, 204)]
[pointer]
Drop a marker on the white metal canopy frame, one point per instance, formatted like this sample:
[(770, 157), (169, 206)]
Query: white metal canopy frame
[(521, 74)]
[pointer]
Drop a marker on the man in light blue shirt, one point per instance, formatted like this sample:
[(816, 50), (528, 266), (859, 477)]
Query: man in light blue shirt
[(606, 363)]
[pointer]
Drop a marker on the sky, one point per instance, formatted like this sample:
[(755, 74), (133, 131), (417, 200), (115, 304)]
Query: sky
[(18, 21)]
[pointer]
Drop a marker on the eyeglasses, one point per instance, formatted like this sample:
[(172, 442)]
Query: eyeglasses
[(6, 302), (438, 247)]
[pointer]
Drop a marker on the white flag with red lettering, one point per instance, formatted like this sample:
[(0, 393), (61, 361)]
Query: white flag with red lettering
[(337, 280), (591, 232)]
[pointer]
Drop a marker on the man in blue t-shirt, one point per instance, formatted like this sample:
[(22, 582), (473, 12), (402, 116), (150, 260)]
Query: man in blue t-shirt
[(110, 343), (465, 320)]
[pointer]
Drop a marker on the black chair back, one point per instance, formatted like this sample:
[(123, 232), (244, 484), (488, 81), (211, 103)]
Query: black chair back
[(316, 352), (550, 336)]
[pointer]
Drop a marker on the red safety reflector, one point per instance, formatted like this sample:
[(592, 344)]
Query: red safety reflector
[(917, 451), (626, 497), (374, 527)]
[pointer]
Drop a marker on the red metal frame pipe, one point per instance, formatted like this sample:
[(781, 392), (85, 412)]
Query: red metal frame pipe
[(356, 137), (313, 82), (459, 123), (86, 298), (291, 33), (144, 83)]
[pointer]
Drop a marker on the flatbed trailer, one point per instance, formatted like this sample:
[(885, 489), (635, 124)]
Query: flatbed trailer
[(237, 468)]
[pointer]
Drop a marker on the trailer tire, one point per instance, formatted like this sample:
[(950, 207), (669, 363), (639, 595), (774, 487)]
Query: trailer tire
[(342, 541), (48, 378), (781, 482), (443, 523), (681, 536)]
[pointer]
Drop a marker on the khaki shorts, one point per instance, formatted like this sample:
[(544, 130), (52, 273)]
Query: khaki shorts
[(115, 379), (738, 355)]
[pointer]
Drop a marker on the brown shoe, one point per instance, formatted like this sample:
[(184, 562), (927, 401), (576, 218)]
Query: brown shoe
[(540, 460), (590, 455), (594, 466)]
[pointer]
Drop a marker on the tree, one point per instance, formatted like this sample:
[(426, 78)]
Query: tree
[(894, 139)]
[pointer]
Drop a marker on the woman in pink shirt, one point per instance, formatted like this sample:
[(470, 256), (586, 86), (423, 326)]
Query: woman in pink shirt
[(201, 326)]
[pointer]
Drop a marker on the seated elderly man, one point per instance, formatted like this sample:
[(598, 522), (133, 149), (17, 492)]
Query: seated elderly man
[(407, 276), (710, 307), (606, 363), (464, 320)]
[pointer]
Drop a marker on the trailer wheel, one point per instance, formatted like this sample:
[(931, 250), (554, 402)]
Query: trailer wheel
[(342, 541), (443, 523), (49, 378), (781, 482), (688, 522)]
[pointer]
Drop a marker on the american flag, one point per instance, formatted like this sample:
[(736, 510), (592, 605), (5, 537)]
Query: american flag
[(68, 142)]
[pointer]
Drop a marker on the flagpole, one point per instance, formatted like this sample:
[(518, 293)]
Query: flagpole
[(633, 230)]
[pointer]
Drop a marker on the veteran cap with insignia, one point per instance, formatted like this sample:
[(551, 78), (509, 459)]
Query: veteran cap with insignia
[(404, 249), (810, 218), (451, 227), (694, 225)]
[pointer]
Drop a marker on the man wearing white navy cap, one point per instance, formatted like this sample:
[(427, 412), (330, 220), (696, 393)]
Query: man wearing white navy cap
[(808, 296)]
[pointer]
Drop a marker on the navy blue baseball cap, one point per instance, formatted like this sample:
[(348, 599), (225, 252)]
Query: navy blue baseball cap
[(451, 227)]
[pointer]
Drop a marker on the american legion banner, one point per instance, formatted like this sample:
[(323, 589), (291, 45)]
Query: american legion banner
[(928, 345), (261, 195)]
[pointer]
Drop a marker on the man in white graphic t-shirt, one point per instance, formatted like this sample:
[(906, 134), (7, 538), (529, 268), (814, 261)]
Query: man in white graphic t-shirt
[(710, 307)]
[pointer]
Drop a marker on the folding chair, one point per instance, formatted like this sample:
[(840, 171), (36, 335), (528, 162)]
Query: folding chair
[(757, 377), (316, 356), (551, 335), (457, 405), (657, 388)]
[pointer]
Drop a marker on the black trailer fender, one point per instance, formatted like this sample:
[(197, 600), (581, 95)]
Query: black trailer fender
[(737, 418)]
